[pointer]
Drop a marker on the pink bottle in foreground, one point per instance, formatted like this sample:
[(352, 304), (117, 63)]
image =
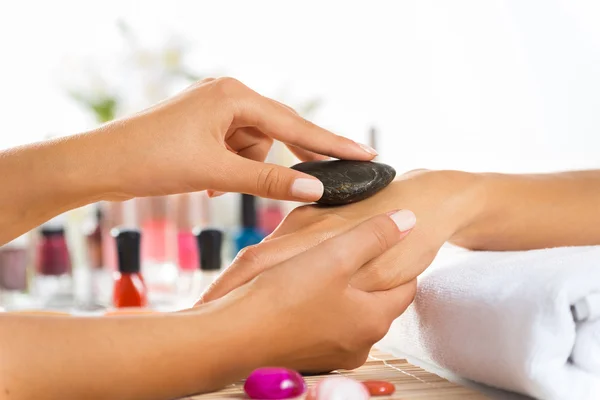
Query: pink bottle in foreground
[(338, 388), (274, 383)]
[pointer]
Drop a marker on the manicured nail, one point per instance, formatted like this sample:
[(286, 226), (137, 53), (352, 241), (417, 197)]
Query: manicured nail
[(308, 189), (368, 149), (404, 219)]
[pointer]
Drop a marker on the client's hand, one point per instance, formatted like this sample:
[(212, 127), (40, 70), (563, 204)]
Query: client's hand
[(303, 314), (443, 201)]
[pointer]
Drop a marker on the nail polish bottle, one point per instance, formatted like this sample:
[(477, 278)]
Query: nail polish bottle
[(249, 233), (112, 217), (54, 281), (94, 242), (14, 259), (270, 216), (159, 247), (373, 142), (129, 287), (187, 250), (210, 244)]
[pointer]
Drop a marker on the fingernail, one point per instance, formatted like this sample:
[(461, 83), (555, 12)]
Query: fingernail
[(308, 189), (368, 149), (404, 219)]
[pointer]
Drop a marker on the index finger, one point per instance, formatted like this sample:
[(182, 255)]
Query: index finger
[(348, 252), (282, 123), (254, 260)]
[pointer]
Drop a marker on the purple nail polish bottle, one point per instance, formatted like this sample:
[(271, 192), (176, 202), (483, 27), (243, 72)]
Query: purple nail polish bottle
[(14, 260), (53, 282)]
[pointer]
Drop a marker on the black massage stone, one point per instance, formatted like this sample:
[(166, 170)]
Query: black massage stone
[(346, 181)]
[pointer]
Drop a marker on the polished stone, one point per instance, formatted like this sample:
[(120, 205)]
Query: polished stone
[(338, 388), (379, 388), (347, 181), (274, 383)]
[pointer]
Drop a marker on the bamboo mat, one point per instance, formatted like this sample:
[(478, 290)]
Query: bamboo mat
[(411, 382)]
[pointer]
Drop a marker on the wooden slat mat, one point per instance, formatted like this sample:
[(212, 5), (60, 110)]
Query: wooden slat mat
[(411, 382)]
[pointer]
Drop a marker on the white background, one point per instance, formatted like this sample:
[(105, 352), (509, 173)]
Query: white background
[(477, 85)]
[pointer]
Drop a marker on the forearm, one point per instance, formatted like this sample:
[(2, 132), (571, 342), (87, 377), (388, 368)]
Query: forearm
[(150, 357), (42, 180), (520, 212)]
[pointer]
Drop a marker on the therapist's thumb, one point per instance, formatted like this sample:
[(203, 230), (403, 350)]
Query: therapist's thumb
[(272, 181)]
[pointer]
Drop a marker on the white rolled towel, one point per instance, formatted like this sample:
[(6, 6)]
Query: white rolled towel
[(522, 321)]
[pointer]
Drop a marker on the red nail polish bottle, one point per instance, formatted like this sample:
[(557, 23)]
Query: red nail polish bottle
[(130, 289)]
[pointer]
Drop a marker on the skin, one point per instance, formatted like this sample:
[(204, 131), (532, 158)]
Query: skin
[(165, 356), (213, 136), (476, 211)]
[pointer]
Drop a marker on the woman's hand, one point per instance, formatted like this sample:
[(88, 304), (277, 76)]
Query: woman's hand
[(307, 315), (215, 135), (301, 313), (443, 201)]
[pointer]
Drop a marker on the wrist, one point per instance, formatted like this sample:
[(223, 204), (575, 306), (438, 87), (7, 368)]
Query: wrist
[(448, 201), (50, 178), (472, 209), (92, 170)]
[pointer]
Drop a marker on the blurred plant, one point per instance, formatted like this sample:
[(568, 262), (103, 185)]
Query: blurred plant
[(141, 76), (144, 77), (103, 108)]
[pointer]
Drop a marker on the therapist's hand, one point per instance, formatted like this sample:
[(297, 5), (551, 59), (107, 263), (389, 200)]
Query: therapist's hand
[(302, 313), (443, 201), (215, 135)]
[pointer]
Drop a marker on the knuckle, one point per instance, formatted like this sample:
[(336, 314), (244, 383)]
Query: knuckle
[(268, 181), (248, 256), (227, 86), (373, 277), (380, 234)]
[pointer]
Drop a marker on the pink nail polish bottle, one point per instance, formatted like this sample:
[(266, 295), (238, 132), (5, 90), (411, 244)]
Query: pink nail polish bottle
[(158, 247), (192, 210), (270, 216), (14, 259)]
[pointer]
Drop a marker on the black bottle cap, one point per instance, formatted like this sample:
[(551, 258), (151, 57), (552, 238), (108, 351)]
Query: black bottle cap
[(128, 250), (99, 214), (50, 230), (209, 245), (248, 211)]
